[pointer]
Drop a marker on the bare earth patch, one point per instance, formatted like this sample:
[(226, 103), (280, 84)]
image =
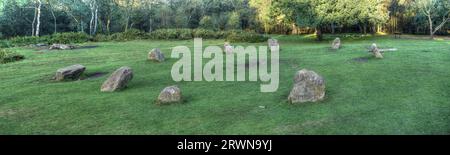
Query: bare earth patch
[(94, 75)]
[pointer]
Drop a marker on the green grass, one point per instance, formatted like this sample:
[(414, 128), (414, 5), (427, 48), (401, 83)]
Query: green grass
[(407, 92)]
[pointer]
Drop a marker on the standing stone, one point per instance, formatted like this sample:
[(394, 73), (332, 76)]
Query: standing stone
[(375, 51), (336, 44), (69, 73), (171, 94), (228, 48), (308, 87), (273, 43), (118, 80), (61, 47), (156, 55)]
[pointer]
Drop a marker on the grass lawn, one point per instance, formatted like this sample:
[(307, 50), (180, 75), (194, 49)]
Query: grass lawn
[(407, 92)]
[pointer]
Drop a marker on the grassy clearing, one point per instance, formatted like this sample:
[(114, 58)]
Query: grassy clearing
[(407, 92)]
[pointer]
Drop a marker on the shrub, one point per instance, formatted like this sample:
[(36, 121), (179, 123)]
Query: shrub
[(27, 40), (62, 38), (131, 34), (164, 34), (7, 56), (5, 44), (69, 37), (101, 38), (250, 37), (184, 34), (205, 34), (231, 35)]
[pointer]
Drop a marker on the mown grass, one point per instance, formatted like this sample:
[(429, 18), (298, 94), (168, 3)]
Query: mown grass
[(407, 92)]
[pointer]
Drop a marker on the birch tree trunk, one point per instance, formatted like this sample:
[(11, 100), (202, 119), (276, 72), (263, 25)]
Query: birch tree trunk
[(54, 17), (431, 26), (96, 18), (33, 24), (38, 17)]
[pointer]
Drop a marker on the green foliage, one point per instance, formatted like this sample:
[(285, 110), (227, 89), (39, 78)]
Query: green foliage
[(233, 21), (5, 44), (207, 34), (181, 34), (164, 34), (131, 34), (101, 38), (28, 40), (206, 23), (250, 37), (69, 37), (61, 38), (7, 56)]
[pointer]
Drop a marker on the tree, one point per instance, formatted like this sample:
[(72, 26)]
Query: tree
[(206, 22), (433, 9), (233, 21), (38, 17), (94, 16)]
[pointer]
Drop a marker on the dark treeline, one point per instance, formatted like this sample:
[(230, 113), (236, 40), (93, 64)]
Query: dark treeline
[(43, 17)]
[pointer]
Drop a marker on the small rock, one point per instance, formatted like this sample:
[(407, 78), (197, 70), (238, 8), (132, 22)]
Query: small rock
[(171, 94), (375, 51), (118, 80), (273, 43), (41, 45), (228, 48), (61, 47), (69, 73), (308, 87), (336, 44), (156, 55)]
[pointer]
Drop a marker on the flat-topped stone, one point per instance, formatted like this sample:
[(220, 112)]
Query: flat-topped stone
[(69, 73), (118, 80)]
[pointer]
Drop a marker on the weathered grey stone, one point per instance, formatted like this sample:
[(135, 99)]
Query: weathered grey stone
[(61, 47), (156, 55), (69, 73), (375, 51), (41, 45), (308, 87), (118, 80), (273, 43), (171, 94), (336, 44), (228, 48)]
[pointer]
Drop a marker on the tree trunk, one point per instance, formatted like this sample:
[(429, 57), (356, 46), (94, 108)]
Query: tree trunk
[(333, 28), (365, 28), (33, 24), (93, 21), (431, 27), (54, 17), (38, 18), (108, 22), (96, 18), (319, 33), (150, 28)]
